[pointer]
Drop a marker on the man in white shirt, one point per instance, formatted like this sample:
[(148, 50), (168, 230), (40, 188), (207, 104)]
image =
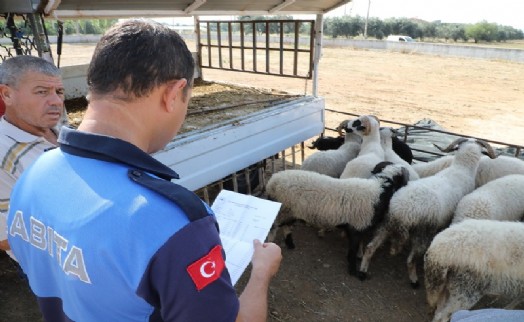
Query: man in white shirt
[(33, 93)]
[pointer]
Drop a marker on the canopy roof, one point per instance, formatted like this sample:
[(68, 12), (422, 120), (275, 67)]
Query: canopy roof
[(158, 8)]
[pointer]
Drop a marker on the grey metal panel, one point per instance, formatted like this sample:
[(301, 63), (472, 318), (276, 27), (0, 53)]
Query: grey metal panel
[(209, 154), (19, 6)]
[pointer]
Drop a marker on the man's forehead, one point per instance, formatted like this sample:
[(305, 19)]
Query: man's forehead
[(34, 78)]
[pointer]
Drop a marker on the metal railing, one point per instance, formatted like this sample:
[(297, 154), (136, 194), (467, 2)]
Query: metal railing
[(270, 47)]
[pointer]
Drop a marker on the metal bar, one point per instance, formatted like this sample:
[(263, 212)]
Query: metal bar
[(318, 51), (281, 47), (254, 47), (230, 38), (242, 48), (255, 72), (219, 39), (426, 129), (209, 44), (248, 180), (295, 53), (293, 158), (271, 49), (267, 47), (14, 34), (198, 45)]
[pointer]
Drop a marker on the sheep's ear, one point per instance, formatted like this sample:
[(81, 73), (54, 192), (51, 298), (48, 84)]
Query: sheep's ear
[(379, 167), (366, 124), (376, 118)]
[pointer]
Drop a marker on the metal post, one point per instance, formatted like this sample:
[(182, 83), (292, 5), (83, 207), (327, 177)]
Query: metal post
[(319, 25)]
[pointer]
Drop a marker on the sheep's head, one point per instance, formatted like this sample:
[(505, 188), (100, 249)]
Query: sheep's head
[(398, 174), (342, 126), (387, 134), (364, 125), (455, 145)]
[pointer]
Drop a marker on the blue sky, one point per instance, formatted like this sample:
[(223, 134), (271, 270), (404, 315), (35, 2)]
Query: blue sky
[(504, 12)]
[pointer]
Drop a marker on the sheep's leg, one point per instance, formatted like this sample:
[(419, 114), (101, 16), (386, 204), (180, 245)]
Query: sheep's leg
[(288, 237), (412, 264), (355, 237), (371, 248), (513, 304), (457, 301)]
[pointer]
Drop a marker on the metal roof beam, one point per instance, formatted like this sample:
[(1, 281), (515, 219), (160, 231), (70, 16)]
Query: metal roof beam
[(193, 6), (281, 6)]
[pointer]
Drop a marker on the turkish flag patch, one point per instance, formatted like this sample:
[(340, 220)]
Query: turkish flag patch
[(208, 268)]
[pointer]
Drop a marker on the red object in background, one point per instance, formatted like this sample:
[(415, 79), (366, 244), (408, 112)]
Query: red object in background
[(2, 107)]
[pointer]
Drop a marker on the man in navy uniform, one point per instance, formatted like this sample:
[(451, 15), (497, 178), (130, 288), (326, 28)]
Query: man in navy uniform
[(97, 225)]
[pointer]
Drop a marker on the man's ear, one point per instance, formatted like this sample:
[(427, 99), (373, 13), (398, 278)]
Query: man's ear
[(172, 92), (5, 93)]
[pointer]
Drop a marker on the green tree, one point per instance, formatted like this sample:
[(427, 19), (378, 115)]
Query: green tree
[(482, 31)]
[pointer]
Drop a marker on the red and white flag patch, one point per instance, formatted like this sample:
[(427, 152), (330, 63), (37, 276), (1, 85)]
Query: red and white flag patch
[(208, 268)]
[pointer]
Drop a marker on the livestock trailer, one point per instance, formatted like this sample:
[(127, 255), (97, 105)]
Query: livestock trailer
[(217, 150)]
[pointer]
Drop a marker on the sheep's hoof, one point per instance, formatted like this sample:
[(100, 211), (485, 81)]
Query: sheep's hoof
[(415, 285), (289, 242), (362, 275)]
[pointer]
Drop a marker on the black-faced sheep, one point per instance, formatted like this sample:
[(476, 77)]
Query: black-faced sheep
[(471, 259), (356, 204), (325, 143), (371, 151), (425, 206)]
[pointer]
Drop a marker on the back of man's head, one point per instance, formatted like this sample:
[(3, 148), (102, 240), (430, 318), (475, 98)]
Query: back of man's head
[(13, 69), (135, 56)]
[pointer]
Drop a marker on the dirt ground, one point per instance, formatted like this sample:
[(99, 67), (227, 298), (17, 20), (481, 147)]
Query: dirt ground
[(477, 97)]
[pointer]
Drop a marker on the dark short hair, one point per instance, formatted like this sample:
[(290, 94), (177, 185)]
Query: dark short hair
[(14, 68), (137, 55)]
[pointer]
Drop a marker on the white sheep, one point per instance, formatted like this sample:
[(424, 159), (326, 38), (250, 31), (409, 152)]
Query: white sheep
[(386, 140), (426, 169), (332, 162), (500, 199), (503, 165), (355, 204), (488, 169), (471, 259), (371, 151), (425, 206)]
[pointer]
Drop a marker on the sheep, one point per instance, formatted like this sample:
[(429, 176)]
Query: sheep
[(386, 139), (402, 149), (425, 206), (491, 169), (500, 199), (355, 204), (488, 169), (371, 152), (332, 162), (426, 169), (470, 259), (324, 143)]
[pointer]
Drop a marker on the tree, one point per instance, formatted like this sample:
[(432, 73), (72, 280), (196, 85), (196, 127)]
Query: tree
[(482, 31)]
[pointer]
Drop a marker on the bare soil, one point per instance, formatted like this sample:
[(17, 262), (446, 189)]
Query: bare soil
[(482, 98)]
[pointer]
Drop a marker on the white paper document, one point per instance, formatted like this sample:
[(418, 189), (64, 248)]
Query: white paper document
[(242, 219)]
